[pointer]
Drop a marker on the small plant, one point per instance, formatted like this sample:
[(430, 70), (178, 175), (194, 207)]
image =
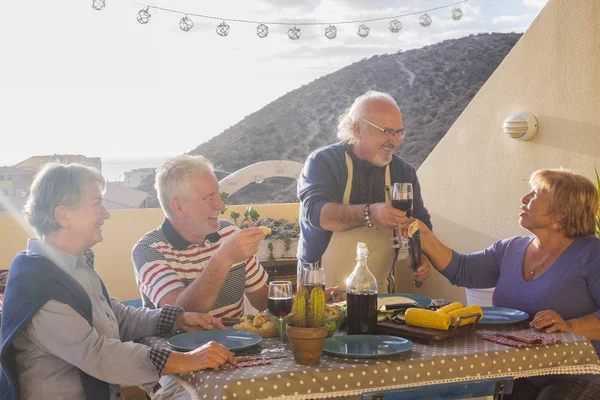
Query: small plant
[(250, 217), (223, 196), (234, 216), (309, 307), (271, 256)]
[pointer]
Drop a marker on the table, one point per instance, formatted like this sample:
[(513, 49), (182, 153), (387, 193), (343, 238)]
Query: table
[(463, 359)]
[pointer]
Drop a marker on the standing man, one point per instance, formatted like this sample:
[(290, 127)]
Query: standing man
[(345, 194), (195, 260)]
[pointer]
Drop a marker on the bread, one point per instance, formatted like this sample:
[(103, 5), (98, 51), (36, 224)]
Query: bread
[(413, 228), (266, 230), (259, 324)]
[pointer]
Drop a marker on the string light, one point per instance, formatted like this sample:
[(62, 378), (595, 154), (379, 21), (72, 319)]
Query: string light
[(144, 16), (294, 33)]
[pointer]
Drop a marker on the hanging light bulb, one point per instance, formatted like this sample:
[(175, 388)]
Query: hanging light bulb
[(330, 32), (294, 33), (395, 26), (223, 29), (457, 14), (98, 5), (425, 20), (186, 24), (363, 31), (144, 16), (262, 31)]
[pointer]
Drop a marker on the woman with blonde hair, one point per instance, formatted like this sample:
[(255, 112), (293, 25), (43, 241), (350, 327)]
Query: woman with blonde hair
[(63, 335), (553, 275)]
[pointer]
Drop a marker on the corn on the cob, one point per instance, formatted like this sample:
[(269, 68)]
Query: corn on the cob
[(427, 318), (450, 307), (474, 309)]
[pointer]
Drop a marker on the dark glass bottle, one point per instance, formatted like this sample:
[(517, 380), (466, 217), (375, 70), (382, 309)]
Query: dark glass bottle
[(361, 296)]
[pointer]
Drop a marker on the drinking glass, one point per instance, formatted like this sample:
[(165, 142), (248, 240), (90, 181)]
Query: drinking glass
[(402, 199), (280, 304)]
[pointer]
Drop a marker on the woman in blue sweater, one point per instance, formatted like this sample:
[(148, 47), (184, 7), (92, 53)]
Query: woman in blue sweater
[(553, 275), (63, 336)]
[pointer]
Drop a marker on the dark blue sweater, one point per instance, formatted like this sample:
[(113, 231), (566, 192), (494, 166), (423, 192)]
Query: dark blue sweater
[(33, 280), (323, 180)]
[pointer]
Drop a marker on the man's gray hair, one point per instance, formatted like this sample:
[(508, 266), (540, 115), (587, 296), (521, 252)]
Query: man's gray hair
[(353, 114), (172, 178), (57, 185)]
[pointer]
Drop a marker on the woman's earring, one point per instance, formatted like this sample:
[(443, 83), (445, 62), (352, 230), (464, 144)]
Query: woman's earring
[(557, 226)]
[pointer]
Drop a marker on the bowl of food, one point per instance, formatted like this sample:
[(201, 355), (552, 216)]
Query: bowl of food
[(335, 315), (260, 324)]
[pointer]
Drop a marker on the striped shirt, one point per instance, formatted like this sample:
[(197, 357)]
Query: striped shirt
[(164, 261)]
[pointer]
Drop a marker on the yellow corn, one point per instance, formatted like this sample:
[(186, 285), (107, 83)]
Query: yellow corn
[(450, 307), (427, 318), (474, 309)]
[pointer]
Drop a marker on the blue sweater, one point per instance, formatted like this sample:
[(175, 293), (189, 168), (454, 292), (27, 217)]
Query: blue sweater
[(570, 286), (323, 180), (33, 280)]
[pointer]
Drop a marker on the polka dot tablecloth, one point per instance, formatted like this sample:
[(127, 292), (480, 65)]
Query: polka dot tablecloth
[(459, 359)]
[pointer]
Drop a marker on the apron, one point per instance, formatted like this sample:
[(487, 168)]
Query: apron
[(339, 259)]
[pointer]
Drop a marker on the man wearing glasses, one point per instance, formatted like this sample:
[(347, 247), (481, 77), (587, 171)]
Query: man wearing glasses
[(345, 194)]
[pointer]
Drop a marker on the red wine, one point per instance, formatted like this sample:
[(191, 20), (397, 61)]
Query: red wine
[(280, 306), (402, 205), (362, 313)]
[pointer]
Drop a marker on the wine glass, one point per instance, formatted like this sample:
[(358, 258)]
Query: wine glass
[(402, 199), (280, 304)]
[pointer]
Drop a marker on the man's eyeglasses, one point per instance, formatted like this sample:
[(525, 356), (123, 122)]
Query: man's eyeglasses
[(388, 131)]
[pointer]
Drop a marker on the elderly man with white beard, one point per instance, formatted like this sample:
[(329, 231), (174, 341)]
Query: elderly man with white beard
[(345, 194)]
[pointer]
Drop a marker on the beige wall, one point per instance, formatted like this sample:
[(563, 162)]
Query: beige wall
[(121, 232), (474, 179)]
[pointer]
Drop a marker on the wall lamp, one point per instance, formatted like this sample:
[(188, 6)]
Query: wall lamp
[(521, 126)]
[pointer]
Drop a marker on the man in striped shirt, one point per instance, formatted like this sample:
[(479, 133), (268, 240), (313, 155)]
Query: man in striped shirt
[(194, 260)]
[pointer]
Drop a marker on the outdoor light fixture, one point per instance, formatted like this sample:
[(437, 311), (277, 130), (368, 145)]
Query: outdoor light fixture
[(521, 126)]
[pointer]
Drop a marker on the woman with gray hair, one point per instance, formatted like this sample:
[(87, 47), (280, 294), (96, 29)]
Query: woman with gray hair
[(63, 335)]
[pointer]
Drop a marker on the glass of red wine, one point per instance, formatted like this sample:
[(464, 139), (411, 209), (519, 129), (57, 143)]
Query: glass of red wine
[(280, 303), (402, 199)]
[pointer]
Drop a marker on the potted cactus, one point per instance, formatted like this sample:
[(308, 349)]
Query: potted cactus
[(308, 330)]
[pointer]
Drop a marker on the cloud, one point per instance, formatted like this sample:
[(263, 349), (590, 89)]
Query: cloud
[(535, 3), (512, 19)]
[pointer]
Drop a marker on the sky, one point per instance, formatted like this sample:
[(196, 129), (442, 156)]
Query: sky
[(74, 80)]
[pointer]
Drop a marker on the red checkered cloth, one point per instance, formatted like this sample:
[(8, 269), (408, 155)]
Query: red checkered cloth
[(546, 341)]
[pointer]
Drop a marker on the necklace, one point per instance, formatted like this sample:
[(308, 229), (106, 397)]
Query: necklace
[(536, 264)]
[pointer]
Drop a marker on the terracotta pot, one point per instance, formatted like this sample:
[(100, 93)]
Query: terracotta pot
[(306, 343)]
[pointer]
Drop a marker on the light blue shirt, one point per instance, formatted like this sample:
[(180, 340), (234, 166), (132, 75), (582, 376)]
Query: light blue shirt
[(58, 341)]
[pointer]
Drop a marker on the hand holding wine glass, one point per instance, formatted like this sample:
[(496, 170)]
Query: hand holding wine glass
[(402, 199)]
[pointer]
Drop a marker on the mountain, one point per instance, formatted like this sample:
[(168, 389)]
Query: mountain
[(432, 85)]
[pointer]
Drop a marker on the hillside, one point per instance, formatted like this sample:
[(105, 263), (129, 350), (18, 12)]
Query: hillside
[(432, 86)]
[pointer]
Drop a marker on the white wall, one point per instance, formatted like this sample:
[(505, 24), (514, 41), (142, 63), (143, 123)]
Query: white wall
[(473, 180)]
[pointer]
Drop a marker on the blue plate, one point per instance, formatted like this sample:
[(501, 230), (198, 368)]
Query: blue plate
[(366, 346), (233, 340), (420, 300), (502, 316)]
